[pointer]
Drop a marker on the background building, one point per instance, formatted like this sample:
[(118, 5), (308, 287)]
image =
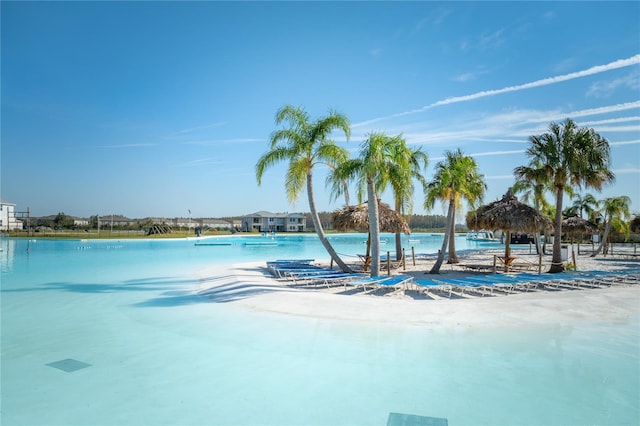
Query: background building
[(263, 221), (8, 219)]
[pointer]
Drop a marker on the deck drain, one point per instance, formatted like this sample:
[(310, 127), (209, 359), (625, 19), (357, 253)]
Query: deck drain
[(399, 419), (69, 365)]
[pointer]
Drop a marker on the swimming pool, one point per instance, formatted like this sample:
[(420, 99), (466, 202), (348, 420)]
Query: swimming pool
[(82, 344)]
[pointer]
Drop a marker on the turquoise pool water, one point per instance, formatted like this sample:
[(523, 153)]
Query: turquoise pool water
[(203, 363)]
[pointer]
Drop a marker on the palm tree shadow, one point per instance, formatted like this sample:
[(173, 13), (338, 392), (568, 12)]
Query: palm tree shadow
[(232, 287), (150, 284), (223, 293)]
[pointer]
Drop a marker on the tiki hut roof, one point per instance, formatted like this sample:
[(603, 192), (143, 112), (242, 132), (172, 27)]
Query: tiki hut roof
[(508, 214), (635, 224), (577, 225), (357, 217)]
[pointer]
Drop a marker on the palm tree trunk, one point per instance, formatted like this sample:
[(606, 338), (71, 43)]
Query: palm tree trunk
[(319, 230), (450, 214), (536, 235), (398, 235), (556, 258), (605, 235), (507, 244), (453, 257), (374, 228)]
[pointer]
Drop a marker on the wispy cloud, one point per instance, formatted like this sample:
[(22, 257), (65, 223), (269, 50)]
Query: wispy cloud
[(635, 142), (629, 170), (621, 63), (603, 89), (198, 128), (543, 82), (467, 76), (514, 126), (492, 40), (494, 153), (127, 145), (199, 162), (611, 121), (434, 19), (209, 142)]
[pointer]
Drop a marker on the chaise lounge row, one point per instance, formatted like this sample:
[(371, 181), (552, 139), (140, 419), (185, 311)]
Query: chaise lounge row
[(496, 284), (297, 272)]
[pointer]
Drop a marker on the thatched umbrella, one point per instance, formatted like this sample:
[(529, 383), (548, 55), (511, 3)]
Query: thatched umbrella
[(635, 224), (577, 225), (357, 217), (508, 215), (574, 225)]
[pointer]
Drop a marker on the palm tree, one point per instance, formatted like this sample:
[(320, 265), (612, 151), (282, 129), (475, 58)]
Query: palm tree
[(587, 204), (373, 171), (616, 214), (304, 144), (567, 155), (533, 190), (456, 178), (411, 162)]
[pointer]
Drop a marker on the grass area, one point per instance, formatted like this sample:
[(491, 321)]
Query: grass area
[(108, 234)]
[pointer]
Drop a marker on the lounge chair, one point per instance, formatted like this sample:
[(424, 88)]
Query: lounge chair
[(379, 281), (465, 287), (432, 286)]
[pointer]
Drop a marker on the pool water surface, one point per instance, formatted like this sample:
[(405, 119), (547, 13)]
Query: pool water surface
[(85, 342)]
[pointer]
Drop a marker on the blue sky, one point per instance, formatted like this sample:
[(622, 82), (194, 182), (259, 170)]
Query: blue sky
[(158, 108)]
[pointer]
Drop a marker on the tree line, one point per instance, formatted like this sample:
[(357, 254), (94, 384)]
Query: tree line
[(563, 159)]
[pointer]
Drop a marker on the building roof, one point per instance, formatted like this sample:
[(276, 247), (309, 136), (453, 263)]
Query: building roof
[(263, 213)]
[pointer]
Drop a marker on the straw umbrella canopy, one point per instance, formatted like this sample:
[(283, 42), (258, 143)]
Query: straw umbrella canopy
[(509, 215), (574, 225), (635, 224), (577, 225), (357, 217)]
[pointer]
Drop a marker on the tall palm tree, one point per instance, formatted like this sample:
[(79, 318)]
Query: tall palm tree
[(456, 178), (373, 171), (616, 212), (533, 190), (411, 163), (304, 144), (587, 204), (564, 156)]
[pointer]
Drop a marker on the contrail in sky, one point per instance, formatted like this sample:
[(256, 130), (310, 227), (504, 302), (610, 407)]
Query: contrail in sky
[(621, 63)]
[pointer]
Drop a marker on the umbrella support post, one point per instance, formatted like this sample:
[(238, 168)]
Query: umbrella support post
[(413, 255), (388, 263), (404, 261), (495, 260), (540, 263), (573, 255)]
